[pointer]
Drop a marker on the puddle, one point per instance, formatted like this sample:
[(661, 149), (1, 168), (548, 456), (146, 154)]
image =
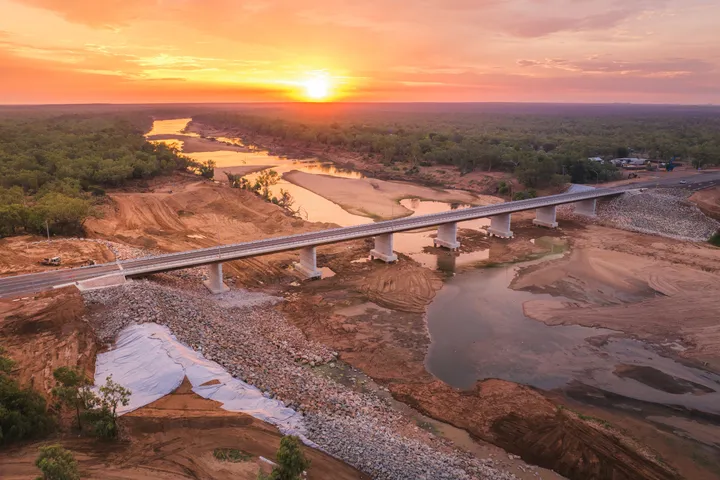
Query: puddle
[(479, 331)]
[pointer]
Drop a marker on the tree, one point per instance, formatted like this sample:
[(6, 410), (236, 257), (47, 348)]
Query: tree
[(23, 412), (291, 461), (265, 180), (286, 200), (207, 169), (56, 463), (103, 417), (72, 390)]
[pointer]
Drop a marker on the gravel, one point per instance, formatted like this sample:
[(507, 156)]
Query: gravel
[(255, 343), (666, 212)]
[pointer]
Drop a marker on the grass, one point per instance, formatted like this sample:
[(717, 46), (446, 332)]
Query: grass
[(231, 455)]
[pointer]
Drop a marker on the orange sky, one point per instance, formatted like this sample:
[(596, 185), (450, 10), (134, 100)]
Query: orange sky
[(137, 51)]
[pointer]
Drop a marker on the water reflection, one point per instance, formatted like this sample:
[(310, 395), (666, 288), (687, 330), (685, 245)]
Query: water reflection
[(171, 127), (478, 330)]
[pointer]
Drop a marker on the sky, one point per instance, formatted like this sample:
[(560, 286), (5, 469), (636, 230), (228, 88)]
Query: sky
[(142, 51)]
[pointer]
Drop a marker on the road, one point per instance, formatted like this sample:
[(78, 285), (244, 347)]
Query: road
[(23, 284)]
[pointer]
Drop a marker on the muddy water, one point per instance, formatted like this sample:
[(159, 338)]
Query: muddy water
[(479, 331)]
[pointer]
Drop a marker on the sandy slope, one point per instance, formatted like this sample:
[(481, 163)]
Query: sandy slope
[(654, 288), (19, 255), (378, 198), (708, 201)]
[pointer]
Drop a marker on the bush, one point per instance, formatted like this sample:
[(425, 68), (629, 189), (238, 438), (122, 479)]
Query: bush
[(715, 239), (23, 412), (524, 195), (103, 418), (503, 188), (231, 455), (56, 463)]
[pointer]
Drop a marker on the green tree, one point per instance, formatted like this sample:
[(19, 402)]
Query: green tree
[(265, 180), (73, 390), (23, 412), (56, 463), (291, 461), (207, 169)]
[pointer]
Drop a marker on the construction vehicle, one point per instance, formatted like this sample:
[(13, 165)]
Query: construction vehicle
[(670, 166), (51, 261)]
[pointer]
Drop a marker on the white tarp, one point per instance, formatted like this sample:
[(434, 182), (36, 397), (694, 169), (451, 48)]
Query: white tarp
[(152, 363)]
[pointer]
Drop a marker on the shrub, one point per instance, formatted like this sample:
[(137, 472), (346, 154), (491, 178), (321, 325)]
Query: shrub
[(524, 195), (503, 188), (715, 239), (56, 463), (72, 390), (231, 455)]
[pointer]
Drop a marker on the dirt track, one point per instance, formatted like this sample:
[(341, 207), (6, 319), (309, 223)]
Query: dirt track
[(708, 201)]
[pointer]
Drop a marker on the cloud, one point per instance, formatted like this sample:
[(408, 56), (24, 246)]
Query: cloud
[(100, 13), (666, 67)]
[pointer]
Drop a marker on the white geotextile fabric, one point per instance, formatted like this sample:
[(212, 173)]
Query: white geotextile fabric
[(152, 363)]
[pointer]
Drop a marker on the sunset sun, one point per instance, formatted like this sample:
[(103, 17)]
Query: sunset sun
[(317, 88)]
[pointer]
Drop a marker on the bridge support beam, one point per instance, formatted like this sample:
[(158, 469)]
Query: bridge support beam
[(545, 217), (308, 263), (384, 249), (215, 283), (447, 236), (500, 226), (586, 207)]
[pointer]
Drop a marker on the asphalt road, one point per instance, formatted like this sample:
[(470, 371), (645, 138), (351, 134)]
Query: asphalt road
[(24, 284)]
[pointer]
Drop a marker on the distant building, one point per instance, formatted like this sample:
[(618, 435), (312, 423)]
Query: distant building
[(596, 159), (628, 162)]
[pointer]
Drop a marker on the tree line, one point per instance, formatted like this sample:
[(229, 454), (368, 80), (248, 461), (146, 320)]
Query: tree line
[(54, 168), (542, 150)]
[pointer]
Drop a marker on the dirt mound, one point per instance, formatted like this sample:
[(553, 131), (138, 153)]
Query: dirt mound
[(524, 422), (403, 287), (20, 255), (46, 333), (708, 201), (181, 213)]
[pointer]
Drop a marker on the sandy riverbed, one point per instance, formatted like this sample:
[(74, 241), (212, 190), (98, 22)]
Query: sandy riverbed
[(379, 198)]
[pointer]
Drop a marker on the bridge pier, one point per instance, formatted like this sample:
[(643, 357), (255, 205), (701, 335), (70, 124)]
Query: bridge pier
[(500, 226), (586, 207), (308, 263), (215, 283), (447, 236), (545, 217), (384, 249)]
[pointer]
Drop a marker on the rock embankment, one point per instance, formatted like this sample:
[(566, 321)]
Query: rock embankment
[(665, 211), (254, 342)]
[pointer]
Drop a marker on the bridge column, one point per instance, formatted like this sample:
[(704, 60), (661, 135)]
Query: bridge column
[(215, 283), (384, 249), (447, 236), (545, 217), (500, 226), (308, 263), (586, 207)]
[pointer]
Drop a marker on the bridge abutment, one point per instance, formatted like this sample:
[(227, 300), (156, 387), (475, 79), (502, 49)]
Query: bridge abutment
[(447, 236), (586, 207), (500, 226), (545, 217), (215, 283), (384, 249), (308, 263)]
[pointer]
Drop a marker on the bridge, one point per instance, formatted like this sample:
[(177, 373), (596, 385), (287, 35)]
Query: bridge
[(500, 226)]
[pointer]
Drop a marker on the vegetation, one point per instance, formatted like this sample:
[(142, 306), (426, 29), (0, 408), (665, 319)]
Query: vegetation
[(23, 412), (261, 187), (56, 463), (73, 390), (543, 146), (52, 168), (291, 461), (99, 412), (715, 239), (231, 455)]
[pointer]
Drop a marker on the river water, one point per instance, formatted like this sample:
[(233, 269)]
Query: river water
[(315, 208), (476, 322)]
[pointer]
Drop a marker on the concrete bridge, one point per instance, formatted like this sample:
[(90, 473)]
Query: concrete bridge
[(500, 226)]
